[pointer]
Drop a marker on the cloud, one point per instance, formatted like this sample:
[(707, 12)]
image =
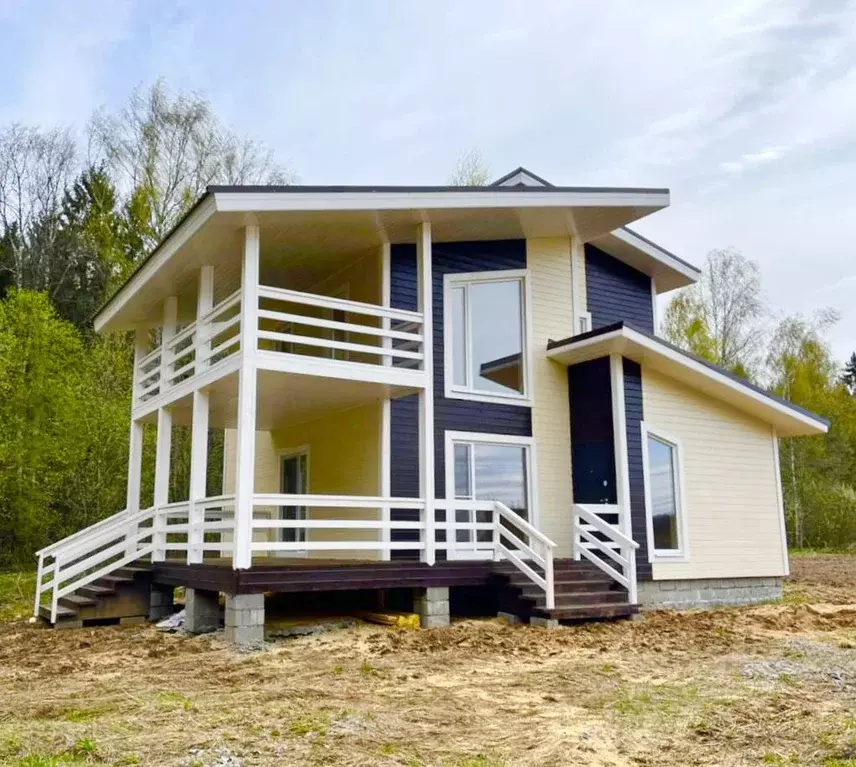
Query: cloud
[(747, 161)]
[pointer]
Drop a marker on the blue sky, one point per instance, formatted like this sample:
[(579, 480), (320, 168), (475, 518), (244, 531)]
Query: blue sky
[(746, 110)]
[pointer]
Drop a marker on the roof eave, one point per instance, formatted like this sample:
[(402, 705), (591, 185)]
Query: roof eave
[(787, 418)]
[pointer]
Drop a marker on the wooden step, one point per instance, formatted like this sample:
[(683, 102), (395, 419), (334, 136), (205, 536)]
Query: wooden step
[(581, 612), (95, 592), (132, 571), (586, 598), (62, 613), (77, 601), (112, 581)]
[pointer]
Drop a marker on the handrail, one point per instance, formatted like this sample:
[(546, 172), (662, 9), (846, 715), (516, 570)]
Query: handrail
[(85, 531), (342, 304), (603, 527), (544, 559), (622, 551)]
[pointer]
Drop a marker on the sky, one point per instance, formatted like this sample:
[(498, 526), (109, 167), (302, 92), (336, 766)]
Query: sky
[(745, 110)]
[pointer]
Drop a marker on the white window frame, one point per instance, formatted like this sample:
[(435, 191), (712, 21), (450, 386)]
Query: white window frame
[(475, 437), (451, 281), (281, 456), (682, 553)]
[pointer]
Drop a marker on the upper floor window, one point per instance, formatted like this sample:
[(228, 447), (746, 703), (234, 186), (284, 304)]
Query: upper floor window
[(485, 336)]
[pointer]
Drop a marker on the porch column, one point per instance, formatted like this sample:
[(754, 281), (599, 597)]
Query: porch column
[(622, 468), (199, 425), (170, 322), (161, 495), (247, 378), (135, 438), (426, 395), (385, 425)]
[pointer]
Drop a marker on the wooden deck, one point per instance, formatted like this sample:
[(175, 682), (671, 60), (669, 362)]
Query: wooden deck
[(302, 575)]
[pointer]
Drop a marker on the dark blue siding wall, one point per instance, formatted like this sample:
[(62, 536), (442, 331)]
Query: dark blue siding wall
[(616, 292), (633, 417), (449, 414), (592, 443)]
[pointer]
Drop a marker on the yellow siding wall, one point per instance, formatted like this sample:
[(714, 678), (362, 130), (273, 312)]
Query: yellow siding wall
[(549, 264), (732, 503), (344, 450)]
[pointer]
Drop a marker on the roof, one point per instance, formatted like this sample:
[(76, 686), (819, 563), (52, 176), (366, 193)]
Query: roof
[(643, 347)]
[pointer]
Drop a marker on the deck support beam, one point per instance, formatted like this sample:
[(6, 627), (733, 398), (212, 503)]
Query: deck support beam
[(247, 393), (426, 395)]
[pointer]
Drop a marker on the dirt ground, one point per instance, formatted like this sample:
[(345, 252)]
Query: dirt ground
[(771, 684)]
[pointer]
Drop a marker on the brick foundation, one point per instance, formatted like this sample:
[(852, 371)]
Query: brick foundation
[(432, 605), (245, 620), (708, 592)]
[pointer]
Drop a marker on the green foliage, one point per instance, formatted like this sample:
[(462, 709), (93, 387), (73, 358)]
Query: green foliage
[(17, 590), (40, 362)]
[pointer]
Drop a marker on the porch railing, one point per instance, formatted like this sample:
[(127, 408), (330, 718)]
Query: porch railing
[(329, 523), (604, 545), (290, 322)]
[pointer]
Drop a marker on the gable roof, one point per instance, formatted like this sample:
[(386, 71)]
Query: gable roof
[(521, 177), (643, 347)]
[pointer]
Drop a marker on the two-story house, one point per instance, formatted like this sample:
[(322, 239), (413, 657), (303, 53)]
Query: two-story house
[(453, 394)]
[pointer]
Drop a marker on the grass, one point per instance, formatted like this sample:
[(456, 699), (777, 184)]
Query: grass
[(17, 589)]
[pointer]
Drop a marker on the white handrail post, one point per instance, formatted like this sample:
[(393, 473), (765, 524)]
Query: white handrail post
[(161, 494), (550, 596), (54, 592), (426, 394), (135, 439), (575, 516), (38, 599), (247, 379)]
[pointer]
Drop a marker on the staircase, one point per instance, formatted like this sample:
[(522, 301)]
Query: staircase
[(121, 597), (582, 592)]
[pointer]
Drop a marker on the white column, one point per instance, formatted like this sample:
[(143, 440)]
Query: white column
[(162, 453), (247, 377), (135, 438), (385, 437), (170, 320), (199, 426), (622, 468), (426, 395)]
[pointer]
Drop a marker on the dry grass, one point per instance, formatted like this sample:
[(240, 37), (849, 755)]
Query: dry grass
[(773, 684)]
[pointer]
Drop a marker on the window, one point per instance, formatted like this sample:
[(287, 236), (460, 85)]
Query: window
[(485, 336), (664, 497), (487, 467), (294, 480)]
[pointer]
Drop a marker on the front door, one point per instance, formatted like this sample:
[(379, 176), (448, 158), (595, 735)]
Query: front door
[(294, 480)]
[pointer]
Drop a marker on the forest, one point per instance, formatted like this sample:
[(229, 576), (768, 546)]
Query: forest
[(79, 213)]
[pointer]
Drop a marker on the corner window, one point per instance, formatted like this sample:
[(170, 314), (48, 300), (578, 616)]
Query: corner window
[(485, 336), (664, 495)]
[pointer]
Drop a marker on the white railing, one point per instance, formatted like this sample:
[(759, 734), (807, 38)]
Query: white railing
[(196, 347), (119, 540), (308, 324), (604, 544)]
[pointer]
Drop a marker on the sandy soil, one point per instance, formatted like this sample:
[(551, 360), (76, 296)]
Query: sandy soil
[(772, 684)]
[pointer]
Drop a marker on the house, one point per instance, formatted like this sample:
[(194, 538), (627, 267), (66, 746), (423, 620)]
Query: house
[(456, 396)]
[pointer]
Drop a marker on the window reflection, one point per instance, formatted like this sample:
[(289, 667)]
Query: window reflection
[(663, 493)]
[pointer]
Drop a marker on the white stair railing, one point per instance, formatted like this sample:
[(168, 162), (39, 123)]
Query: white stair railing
[(91, 554), (523, 554), (611, 551)]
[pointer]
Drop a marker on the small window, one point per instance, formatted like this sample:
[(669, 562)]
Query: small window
[(664, 496), (485, 336)]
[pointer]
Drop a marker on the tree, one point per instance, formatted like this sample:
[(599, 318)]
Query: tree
[(164, 149), (848, 377), (39, 401), (470, 170), (721, 318), (35, 170), (818, 473)]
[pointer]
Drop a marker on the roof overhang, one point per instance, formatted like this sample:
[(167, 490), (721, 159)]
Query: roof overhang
[(664, 268), (788, 419), (354, 218)]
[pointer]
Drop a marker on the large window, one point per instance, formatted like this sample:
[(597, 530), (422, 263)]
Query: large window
[(487, 467), (664, 495), (485, 336)]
